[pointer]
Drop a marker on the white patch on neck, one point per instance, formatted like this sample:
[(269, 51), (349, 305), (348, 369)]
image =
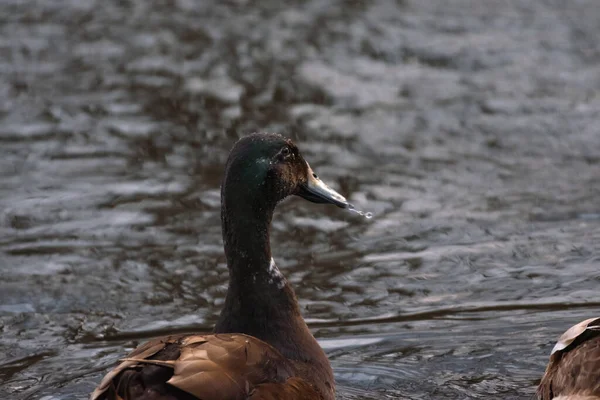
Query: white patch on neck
[(275, 276)]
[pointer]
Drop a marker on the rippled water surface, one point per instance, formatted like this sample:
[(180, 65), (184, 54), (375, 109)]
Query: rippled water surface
[(469, 128)]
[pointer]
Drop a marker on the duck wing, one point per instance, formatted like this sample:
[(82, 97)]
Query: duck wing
[(574, 367), (206, 367)]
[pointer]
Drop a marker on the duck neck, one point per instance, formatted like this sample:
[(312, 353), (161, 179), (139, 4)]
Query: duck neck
[(259, 300), (246, 240)]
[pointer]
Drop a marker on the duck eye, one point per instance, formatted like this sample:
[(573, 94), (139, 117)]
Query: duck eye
[(285, 152)]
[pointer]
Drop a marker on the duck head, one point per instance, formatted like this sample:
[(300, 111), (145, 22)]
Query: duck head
[(264, 169)]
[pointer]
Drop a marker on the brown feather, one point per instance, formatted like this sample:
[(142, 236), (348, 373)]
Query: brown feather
[(574, 371), (146, 350), (208, 367), (293, 389)]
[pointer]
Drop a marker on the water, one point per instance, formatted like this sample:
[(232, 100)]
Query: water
[(366, 214), (469, 130)]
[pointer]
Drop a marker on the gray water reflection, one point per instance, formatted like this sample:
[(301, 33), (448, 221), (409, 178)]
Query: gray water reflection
[(469, 129)]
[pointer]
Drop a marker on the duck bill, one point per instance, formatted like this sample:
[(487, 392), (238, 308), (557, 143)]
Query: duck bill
[(317, 191)]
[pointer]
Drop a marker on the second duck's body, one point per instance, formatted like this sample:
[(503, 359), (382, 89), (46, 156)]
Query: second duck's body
[(573, 372)]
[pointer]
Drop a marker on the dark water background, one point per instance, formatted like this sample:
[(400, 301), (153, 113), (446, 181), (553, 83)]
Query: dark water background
[(471, 128)]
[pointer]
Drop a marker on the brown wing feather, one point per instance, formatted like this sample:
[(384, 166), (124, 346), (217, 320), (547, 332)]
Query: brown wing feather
[(144, 351), (208, 367), (574, 370), (578, 372)]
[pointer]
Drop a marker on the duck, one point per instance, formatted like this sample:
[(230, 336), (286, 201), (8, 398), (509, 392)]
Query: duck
[(573, 372), (261, 347)]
